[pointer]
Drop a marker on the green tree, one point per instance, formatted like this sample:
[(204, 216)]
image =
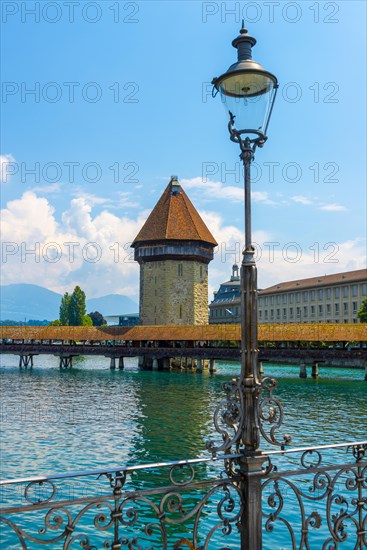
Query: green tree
[(77, 309), (97, 318), (362, 312), (64, 314), (87, 321), (56, 323)]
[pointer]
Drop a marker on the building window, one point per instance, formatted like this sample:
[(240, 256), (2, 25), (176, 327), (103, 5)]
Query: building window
[(272, 300), (298, 311), (284, 298), (305, 311), (354, 290), (364, 289), (336, 292), (336, 309), (345, 307), (278, 300), (291, 312), (328, 309), (180, 317), (180, 270), (320, 309), (328, 293), (312, 294), (266, 300), (298, 297), (346, 292), (291, 297), (260, 302), (305, 296), (278, 313), (312, 311), (266, 315), (321, 294), (260, 315), (271, 314), (354, 305)]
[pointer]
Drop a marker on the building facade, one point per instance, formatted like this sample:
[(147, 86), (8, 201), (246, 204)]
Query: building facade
[(174, 248), (226, 306), (325, 299)]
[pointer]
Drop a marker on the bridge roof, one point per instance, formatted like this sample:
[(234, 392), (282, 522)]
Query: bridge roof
[(174, 217), (327, 332), (315, 282)]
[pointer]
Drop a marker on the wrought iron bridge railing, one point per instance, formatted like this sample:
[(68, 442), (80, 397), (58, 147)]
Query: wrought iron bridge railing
[(311, 498)]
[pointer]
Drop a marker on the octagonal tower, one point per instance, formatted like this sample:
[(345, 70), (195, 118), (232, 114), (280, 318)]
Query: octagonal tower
[(174, 248)]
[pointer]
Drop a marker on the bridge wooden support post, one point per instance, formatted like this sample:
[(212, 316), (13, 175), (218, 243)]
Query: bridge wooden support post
[(113, 363), (25, 360), (302, 371), (141, 361), (148, 362), (66, 361), (121, 363), (199, 365), (212, 367), (315, 370)]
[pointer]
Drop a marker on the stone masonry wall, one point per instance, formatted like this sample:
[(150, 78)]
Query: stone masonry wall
[(174, 292)]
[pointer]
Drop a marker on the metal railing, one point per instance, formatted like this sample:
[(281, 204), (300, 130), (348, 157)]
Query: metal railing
[(310, 498)]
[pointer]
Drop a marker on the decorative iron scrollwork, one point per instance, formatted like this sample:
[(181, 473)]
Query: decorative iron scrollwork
[(229, 416), (271, 412)]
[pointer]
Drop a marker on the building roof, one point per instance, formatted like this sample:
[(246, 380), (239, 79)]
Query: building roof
[(322, 281), (174, 217)]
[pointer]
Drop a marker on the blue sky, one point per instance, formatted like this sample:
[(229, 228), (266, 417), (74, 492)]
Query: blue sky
[(121, 100)]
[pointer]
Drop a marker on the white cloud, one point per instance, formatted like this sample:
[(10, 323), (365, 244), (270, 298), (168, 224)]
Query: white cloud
[(81, 237), (216, 190), (7, 168), (301, 199), (126, 200), (92, 251), (332, 207), (52, 188), (90, 198)]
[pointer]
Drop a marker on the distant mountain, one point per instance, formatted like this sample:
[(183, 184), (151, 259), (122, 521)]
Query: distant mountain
[(112, 304), (19, 302)]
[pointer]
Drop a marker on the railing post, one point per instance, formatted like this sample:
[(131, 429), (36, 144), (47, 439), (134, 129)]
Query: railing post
[(251, 516)]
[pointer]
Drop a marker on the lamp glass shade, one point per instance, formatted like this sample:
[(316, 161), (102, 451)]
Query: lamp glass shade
[(248, 96)]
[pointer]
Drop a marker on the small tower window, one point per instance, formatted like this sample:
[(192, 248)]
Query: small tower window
[(180, 270), (201, 271)]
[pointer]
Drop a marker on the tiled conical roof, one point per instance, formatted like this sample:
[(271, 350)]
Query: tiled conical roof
[(174, 217)]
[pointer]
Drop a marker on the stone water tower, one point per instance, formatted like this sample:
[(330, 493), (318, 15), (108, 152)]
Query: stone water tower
[(174, 248)]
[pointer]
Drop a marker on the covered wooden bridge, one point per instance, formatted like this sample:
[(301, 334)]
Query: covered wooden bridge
[(185, 346)]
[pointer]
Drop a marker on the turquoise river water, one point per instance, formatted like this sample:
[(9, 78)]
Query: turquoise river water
[(90, 417)]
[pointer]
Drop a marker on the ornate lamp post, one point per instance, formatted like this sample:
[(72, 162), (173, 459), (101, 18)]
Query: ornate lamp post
[(248, 92)]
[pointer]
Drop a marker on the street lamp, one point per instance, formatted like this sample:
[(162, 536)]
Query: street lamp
[(248, 92)]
